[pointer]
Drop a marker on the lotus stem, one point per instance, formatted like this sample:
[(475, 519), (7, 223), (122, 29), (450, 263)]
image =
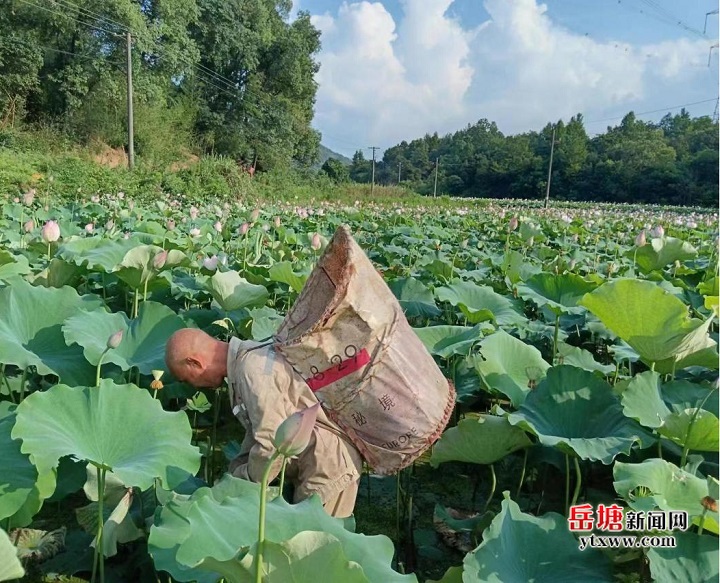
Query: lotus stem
[(702, 521), (282, 475), (578, 481), (48, 252), (522, 474), (261, 520), (555, 337), (99, 365), (145, 290), (213, 443), (686, 447), (135, 303), (7, 384), (22, 384), (567, 484), (493, 484), (99, 556)]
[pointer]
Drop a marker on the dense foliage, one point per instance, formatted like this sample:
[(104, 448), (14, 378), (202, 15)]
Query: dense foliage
[(582, 341), (233, 78), (674, 161)]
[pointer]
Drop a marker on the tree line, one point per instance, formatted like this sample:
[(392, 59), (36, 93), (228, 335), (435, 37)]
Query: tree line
[(229, 78), (674, 161)]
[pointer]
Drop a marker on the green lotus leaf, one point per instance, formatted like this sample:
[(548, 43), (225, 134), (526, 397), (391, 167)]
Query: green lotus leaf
[(475, 523), (452, 575), (233, 292), (265, 322), (662, 251), (91, 423), (299, 559), (213, 524), (652, 321), (482, 440), (58, 274), (695, 558), (118, 526), (656, 483), (574, 410), (10, 566), (581, 358), (517, 267), (96, 253), (17, 474), (31, 330), (143, 342), (446, 341), (510, 366), (12, 265), (522, 547), (558, 293), (697, 430), (642, 399), (481, 303), (136, 267), (283, 272), (415, 297)]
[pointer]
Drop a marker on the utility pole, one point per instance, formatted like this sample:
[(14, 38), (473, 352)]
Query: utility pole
[(708, 14), (372, 183), (131, 136), (399, 168), (552, 151), (437, 162)]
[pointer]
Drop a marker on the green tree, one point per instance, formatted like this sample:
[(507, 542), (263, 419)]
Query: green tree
[(336, 170)]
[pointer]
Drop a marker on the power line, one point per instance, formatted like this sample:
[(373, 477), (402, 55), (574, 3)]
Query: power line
[(661, 15), (94, 15), (671, 17), (652, 111)]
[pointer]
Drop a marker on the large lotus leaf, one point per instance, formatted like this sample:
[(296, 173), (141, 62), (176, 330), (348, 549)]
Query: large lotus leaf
[(517, 267), (233, 292), (694, 558), (662, 251), (143, 342), (559, 293), (58, 274), (655, 323), (581, 358), (283, 272), (91, 423), (446, 341), (415, 297), (521, 547), (452, 575), (696, 430), (574, 410), (96, 253), (31, 330), (265, 322), (136, 266), (17, 475), (481, 303), (11, 265), (482, 440), (297, 560), (510, 366), (642, 399), (118, 526), (214, 524), (10, 566), (665, 486)]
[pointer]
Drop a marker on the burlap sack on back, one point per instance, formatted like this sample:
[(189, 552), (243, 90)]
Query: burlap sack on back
[(348, 338)]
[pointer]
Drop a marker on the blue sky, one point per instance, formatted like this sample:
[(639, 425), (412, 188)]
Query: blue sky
[(394, 70)]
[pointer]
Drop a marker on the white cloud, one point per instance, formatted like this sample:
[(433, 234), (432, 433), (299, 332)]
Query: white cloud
[(382, 81)]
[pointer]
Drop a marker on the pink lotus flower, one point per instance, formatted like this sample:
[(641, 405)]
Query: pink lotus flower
[(160, 259), (315, 242), (115, 339), (210, 263), (89, 228), (95, 198), (170, 225), (29, 197), (293, 435), (29, 226), (658, 232), (218, 226), (50, 232), (243, 229), (513, 224)]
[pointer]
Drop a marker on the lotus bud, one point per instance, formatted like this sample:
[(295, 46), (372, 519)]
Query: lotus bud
[(29, 226), (121, 195), (115, 339), (315, 242), (513, 224), (254, 215), (218, 226), (29, 197), (210, 263), (170, 225), (243, 229), (16, 199), (131, 204), (464, 244), (194, 232), (89, 228), (126, 236), (658, 232), (193, 213), (276, 222), (160, 259), (95, 198), (110, 225), (293, 434), (640, 240), (530, 242), (50, 232)]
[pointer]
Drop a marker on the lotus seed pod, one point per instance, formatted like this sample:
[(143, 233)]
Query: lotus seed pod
[(293, 434), (50, 232), (115, 339)]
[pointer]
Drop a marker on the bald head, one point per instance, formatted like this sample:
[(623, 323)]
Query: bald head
[(196, 358)]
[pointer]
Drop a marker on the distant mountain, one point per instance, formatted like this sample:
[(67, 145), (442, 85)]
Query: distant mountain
[(326, 153)]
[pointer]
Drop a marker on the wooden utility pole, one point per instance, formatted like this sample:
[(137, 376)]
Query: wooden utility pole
[(131, 133), (552, 151), (399, 168), (437, 163), (372, 182)]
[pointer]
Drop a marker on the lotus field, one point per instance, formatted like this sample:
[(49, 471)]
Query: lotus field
[(582, 342)]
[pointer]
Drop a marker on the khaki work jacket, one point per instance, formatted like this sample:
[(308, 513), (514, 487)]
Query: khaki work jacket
[(264, 391)]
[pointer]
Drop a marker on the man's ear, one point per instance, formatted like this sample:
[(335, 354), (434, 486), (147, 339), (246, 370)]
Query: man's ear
[(193, 362)]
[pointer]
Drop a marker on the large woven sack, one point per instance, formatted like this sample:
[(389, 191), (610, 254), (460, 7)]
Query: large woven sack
[(348, 338)]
